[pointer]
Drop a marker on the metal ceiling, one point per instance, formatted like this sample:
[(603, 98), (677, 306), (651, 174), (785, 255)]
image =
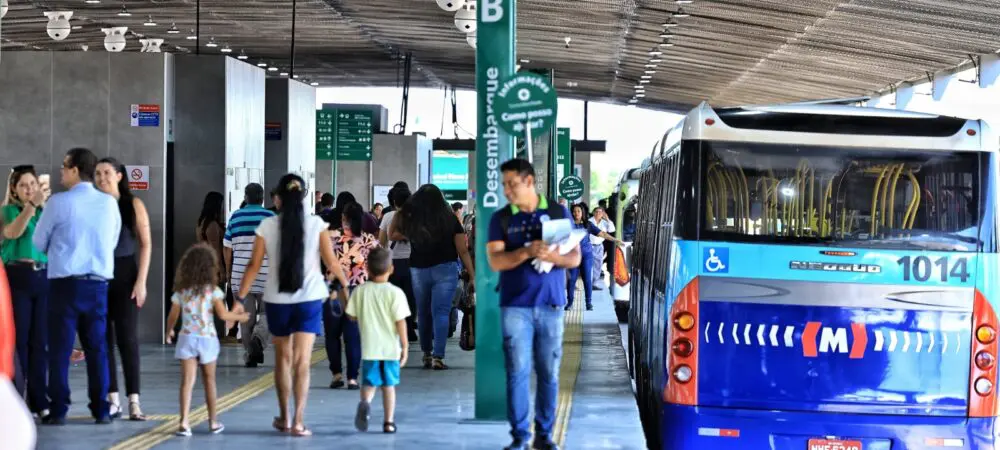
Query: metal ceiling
[(727, 51)]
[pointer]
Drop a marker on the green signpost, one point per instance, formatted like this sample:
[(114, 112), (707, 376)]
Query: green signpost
[(496, 35), (354, 135), (526, 104), (324, 135), (564, 159), (571, 188)]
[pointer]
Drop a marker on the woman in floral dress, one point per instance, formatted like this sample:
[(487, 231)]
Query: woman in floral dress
[(351, 246)]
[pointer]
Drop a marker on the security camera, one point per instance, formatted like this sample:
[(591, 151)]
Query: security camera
[(153, 45), (465, 18), (58, 27), (567, 40), (114, 38), (4, 6), (471, 39), (451, 5)]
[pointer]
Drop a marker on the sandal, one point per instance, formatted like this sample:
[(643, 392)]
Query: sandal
[(300, 430), (135, 412), (438, 364), (218, 428), (184, 431), (352, 385), (337, 383), (114, 411), (280, 424), (362, 415), (389, 428)]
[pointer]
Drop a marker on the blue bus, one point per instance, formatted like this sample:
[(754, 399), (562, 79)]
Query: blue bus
[(817, 277)]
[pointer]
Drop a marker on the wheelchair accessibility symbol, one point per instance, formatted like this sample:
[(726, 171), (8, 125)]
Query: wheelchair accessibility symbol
[(716, 260)]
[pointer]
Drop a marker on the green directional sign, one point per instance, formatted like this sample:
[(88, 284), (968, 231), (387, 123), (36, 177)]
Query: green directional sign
[(564, 161), (571, 188), (524, 100), (353, 139), (325, 132)]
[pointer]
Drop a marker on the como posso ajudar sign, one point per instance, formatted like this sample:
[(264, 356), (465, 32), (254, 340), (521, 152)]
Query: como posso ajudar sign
[(526, 100)]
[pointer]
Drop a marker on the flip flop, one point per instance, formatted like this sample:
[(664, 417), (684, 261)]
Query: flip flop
[(218, 429), (184, 431), (300, 431), (280, 425), (362, 416)]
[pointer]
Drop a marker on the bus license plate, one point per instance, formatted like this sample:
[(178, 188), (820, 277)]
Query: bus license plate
[(832, 444)]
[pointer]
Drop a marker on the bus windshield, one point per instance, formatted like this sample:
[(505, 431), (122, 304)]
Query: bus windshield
[(836, 196)]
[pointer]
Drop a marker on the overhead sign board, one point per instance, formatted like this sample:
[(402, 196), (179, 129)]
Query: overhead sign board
[(353, 140), (324, 135), (526, 100)]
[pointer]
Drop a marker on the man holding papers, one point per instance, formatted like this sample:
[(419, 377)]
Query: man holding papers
[(531, 257)]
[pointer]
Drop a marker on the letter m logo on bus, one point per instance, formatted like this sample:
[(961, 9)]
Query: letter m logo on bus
[(834, 340)]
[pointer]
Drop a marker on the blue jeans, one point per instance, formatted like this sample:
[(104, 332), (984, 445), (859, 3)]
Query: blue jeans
[(333, 329), (532, 335), (29, 291), (586, 263), (78, 303), (434, 289)]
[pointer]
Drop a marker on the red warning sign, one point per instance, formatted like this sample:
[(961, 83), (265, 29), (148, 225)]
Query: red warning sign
[(138, 177)]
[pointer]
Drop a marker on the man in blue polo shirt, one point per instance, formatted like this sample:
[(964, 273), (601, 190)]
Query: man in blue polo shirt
[(531, 303)]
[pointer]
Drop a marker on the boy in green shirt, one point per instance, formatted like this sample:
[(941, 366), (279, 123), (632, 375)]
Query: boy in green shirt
[(381, 311)]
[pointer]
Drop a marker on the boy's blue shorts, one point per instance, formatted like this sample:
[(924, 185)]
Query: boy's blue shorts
[(380, 373)]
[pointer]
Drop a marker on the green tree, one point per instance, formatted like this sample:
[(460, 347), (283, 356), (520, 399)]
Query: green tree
[(602, 183)]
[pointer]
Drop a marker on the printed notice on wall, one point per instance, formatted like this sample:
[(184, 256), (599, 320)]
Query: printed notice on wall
[(143, 115), (138, 177)]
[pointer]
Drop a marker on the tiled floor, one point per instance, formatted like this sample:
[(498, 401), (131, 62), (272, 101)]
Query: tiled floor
[(434, 408)]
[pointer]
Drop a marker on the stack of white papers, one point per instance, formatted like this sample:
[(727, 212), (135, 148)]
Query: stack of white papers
[(561, 237)]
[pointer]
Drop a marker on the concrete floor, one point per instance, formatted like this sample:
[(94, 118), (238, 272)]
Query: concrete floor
[(434, 408)]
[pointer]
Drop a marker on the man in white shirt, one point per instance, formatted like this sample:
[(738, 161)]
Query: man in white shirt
[(600, 219)]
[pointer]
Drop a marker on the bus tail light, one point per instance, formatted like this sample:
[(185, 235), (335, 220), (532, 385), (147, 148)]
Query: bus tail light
[(983, 376), (682, 359)]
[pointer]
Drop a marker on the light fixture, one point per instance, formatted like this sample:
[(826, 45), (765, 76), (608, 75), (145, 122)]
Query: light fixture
[(92, 2), (149, 22), (680, 14), (262, 64), (572, 84), (650, 66), (638, 95), (226, 49), (283, 74), (646, 77), (314, 84), (525, 61), (633, 100), (173, 29), (670, 23), (639, 86), (655, 60), (295, 76), (666, 44), (655, 53), (211, 43), (192, 36), (643, 81), (650, 72), (124, 12), (684, 2), (272, 69), (243, 56), (666, 35)]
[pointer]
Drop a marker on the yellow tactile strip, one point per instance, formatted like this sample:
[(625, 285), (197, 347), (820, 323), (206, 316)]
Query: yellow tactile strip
[(570, 368), (243, 393)]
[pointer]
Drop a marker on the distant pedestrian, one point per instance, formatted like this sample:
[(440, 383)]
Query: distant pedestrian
[(79, 231), (381, 311), (196, 300)]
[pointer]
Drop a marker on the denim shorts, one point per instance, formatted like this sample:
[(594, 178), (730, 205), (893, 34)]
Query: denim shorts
[(380, 373), (205, 348), (283, 319)]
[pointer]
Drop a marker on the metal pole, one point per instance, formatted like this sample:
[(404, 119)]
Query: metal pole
[(197, 27), (586, 115), (291, 64), (528, 145)]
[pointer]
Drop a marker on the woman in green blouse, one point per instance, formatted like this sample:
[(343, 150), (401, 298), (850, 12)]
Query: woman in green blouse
[(26, 270)]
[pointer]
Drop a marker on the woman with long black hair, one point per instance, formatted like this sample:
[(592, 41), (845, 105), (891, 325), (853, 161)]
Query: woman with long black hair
[(127, 291), (294, 242), (437, 241), (351, 245), (212, 225)]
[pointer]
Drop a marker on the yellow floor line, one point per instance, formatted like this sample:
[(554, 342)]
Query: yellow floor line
[(241, 394), (570, 368)]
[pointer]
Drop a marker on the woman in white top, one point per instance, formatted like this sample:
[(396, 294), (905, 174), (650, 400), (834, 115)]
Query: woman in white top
[(296, 289)]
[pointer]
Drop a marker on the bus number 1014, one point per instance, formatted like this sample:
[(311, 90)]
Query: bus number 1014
[(922, 268)]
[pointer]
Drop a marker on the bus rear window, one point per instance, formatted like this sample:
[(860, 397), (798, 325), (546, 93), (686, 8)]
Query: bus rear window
[(875, 198)]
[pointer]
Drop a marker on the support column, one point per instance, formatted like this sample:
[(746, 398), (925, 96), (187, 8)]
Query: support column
[(495, 50)]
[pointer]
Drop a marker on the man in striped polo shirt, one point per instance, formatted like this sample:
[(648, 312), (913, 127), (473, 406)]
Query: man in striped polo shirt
[(238, 243)]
